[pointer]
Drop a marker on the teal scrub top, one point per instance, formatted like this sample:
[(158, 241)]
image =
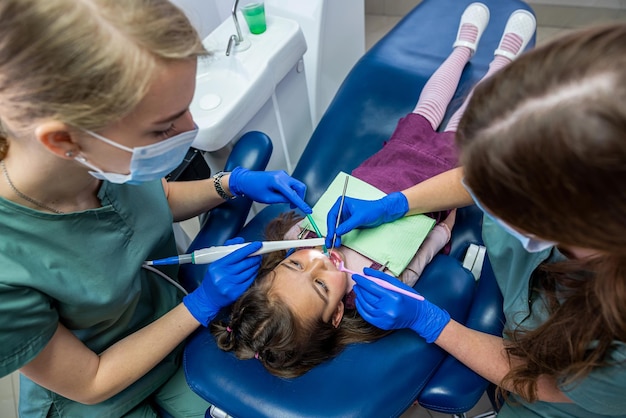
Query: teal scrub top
[(83, 270), (603, 392)]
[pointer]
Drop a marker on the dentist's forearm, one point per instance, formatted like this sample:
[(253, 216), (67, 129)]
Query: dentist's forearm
[(67, 367), (191, 198), (441, 192), (486, 355), (128, 359)]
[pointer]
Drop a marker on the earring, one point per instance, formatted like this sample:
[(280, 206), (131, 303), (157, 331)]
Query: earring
[(69, 154)]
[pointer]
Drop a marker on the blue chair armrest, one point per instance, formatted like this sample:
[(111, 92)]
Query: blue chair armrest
[(455, 388), (252, 151), (467, 230)]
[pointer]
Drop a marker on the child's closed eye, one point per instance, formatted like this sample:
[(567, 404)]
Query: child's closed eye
[(321, 284), (295, 264)]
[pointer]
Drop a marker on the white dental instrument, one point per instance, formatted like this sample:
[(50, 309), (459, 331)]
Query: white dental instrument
[(208, 255)]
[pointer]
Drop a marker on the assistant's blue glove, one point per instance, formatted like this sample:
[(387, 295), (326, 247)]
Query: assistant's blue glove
[(387, 309), (225, 280), (268, 187), (357, 213)]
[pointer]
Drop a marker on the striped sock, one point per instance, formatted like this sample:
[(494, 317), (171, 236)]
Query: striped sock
[(441, 86), (510, 42)]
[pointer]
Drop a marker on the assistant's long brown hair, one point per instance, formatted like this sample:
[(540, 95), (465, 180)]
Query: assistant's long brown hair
[(262, 325), (543, 146)]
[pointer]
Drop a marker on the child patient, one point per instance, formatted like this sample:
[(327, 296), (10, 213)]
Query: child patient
[(300, 312)]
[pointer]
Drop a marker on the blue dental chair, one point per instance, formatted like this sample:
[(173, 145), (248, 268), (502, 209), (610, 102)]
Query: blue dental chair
[(384, 378)]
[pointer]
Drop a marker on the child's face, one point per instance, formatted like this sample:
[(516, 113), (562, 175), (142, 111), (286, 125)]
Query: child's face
[(309, 282)]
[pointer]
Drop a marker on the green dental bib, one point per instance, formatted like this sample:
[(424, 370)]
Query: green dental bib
[(393, 244)]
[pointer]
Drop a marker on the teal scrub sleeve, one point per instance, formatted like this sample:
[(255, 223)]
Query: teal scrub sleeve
[(602, 391), (28, 323)]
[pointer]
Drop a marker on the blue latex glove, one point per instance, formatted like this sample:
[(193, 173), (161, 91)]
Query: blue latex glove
[(268, 187), (387, 309), (225, 280), (357, 213)]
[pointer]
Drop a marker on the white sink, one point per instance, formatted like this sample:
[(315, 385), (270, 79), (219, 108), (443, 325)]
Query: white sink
[(220, 84), (230, 90)]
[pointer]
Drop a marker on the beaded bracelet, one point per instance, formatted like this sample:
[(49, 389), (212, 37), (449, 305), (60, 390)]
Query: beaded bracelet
[(217, 181)]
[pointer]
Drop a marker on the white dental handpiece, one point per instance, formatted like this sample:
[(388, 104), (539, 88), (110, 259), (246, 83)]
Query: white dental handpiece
[(210, 254)]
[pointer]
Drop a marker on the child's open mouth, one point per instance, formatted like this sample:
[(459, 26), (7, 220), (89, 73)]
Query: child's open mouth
[(335, 258)]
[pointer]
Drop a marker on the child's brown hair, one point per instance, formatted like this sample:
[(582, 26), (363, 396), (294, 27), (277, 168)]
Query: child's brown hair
[(261, 325)]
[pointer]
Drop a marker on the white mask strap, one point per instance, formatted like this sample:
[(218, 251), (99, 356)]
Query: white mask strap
[(87, 164), (108, 141)]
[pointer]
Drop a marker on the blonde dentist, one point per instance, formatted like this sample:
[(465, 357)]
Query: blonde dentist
[(94, 98)]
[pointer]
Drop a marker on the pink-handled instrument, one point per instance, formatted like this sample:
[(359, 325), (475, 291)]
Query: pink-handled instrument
[(380, 282)]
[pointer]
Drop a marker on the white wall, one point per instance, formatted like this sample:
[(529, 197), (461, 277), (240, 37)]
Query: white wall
[(330, 54), (206, 15)]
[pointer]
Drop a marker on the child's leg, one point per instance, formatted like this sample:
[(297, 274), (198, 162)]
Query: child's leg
[(517, 33), (440, 88)]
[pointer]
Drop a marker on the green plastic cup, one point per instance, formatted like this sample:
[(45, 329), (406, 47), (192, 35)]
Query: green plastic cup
[(254, 14)]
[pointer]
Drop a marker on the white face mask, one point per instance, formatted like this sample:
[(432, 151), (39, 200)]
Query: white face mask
[(150, 162), (530, 244)]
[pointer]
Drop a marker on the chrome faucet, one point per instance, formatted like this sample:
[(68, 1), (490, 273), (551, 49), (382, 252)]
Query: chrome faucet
[(235, 39)]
